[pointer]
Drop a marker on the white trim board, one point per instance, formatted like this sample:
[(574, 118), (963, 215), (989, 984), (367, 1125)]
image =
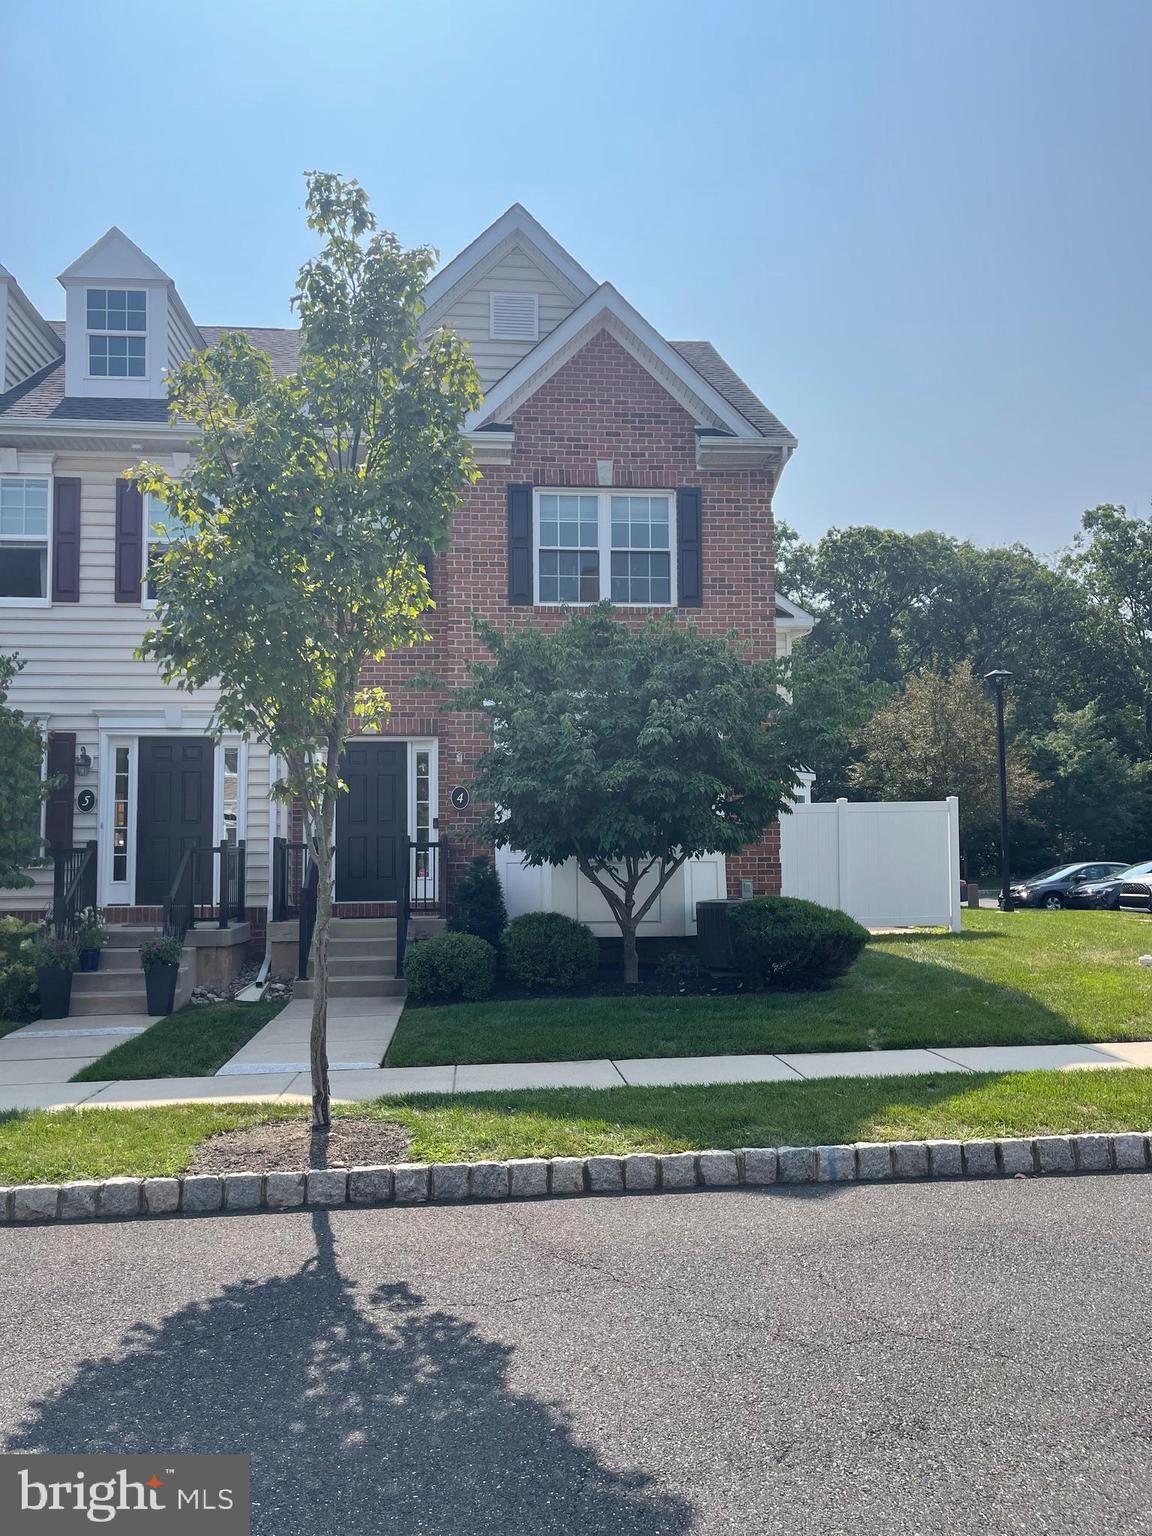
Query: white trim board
[(514, 221)]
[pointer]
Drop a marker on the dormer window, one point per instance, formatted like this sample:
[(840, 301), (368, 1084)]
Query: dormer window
[(117, 320), (514, 316)]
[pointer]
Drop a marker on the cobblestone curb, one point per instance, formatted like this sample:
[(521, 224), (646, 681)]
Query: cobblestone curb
[(561, 1177)]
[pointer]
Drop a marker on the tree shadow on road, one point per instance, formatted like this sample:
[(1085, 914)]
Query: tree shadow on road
[(363, 1412)]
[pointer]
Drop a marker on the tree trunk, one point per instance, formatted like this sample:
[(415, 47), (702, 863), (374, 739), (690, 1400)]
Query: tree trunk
[(318, 1045), (631, 958)]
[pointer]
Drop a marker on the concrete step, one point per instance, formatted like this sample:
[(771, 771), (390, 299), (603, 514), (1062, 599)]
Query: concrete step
[(94, 983), (356, 949), (362, 965), (362, 928), (357, 986), (131, 1000), (130, 935)]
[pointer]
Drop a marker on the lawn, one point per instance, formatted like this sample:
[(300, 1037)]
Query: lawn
[(192, 1042), (1021, 978), (39, 1146)]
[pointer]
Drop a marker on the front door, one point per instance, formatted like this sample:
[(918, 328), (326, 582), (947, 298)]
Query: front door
[(175, 812), (371, 820)]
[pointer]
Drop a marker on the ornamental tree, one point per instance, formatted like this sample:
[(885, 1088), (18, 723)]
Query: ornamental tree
[(628, 750), (306, 517), (22, 789)]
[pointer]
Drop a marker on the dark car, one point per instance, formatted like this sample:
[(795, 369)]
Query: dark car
[(1050, 887), (1106, 893), (1135, 893)]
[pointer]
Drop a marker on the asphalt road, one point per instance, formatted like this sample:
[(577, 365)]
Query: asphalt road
[(874, 1361)]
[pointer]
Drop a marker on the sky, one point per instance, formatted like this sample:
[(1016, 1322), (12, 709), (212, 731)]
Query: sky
[(921, 231)]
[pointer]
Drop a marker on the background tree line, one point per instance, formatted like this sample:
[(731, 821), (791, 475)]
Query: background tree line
[(887, 692)]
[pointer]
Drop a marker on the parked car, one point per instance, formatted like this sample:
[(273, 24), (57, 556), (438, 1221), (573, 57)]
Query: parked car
[(1135, 893), (1050, 887), (1106, 893)]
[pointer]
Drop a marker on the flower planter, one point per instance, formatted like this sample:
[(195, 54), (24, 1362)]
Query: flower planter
[(55, 984), (89, 960), (160, 987)]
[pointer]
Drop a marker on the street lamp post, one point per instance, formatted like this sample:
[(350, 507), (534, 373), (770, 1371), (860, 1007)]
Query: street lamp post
[(998, 680)]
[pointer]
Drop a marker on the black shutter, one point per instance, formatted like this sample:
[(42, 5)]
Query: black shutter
[(689, 538), (520, 544), (129, 541), (66, 540), (58, 813)]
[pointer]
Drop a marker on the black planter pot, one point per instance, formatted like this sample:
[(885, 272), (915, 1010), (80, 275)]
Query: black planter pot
[(160, 987), (89, 960), (55, 986)]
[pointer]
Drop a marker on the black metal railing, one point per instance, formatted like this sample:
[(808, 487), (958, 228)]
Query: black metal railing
[(424, 876), (289, 869), (307, 918), (209, 886), (73, 888)]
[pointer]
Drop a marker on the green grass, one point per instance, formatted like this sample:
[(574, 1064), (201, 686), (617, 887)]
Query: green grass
[(8, 1025), (192, 1042), (1023, 978), (39, 1146)]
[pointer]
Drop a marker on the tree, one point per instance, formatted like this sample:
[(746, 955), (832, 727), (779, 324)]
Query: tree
[(307, 512), (1095, 802), (832, 697), (22, 788), (938, 738), (1112, 557), (628, 750)]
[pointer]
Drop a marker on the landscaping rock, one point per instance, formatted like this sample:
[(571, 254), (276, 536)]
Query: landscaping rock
[(1054, 1154), (835, 1165), (202, 1192), (641, 1171), (678, 1170), (567, 1175), (327, 1186), (527, 1177), (945, 1160), (909, 1160), (1130, 1150), (411, 1182), (1016, 1155), (1093, 1153), (980, 1159), (760, 1164), (718, 1169), (242, 1191), (79, 1200), (873, 1160), (283, 1190), (796, 1165), (369, 1185), (450, 1181), (120, 1197), (161, 1196), (489, 1181), (35, 1202), (605, 1174)]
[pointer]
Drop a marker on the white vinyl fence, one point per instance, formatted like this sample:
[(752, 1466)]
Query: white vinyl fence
[(894, 863)]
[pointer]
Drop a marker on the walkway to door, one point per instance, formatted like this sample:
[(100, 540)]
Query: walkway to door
[(360, 1030)]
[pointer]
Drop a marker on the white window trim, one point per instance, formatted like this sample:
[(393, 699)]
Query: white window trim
[(604, 539), (497, 335), (112, 378), (13, 538)]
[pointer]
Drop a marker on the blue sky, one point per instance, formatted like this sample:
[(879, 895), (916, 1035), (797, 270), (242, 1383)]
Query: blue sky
[(922, 231)]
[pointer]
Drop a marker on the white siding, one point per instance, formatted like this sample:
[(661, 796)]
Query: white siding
[(468, 313), (80, 664), (181, 340), (27, 349)]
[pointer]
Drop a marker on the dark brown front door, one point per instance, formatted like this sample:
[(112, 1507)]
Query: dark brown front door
[(175, 813), (371, 820)]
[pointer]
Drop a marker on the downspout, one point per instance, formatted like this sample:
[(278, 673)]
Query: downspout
[(254, 992)]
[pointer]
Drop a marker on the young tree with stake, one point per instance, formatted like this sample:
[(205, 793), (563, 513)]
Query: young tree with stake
[(305, 517)]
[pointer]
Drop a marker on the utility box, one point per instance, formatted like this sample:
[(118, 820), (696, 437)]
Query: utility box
[(713, 935)]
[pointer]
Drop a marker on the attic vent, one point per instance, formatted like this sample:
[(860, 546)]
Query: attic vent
[(514, 316)]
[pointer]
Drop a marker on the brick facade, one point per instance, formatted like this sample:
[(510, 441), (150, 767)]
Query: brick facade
[(601, 404)]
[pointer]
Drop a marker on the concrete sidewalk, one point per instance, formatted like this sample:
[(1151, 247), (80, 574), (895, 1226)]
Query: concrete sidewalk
[(261, 1079), (360, 1030)]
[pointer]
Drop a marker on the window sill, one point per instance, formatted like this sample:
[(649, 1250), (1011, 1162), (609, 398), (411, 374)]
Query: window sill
[(25, 602)]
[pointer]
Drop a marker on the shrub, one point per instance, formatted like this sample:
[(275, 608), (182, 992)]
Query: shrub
[(47, 952), (18, 996), (789, 943), (677, 970), (162, 951), (93, 932), (450, 965), (546, 951), (480, 903)]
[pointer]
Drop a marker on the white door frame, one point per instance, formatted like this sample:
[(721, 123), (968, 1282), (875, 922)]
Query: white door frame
[(414, 744)]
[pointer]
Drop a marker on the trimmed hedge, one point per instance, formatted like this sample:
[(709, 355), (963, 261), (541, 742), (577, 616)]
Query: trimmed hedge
[(480, 905), (548, 952), (791, 944), (450, 965)]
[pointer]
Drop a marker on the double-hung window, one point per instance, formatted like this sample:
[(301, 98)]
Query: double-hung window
[(606, 544), (160, 528), (117, 333), (24, 533)]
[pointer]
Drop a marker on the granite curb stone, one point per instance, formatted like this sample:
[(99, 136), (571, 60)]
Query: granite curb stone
[(538, 1177)]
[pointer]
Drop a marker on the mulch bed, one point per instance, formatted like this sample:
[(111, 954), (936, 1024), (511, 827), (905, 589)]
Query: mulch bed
[(290, 1144)]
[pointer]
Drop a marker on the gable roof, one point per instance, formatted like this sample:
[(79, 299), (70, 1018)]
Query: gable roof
[(114, 255), (514, 221)]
